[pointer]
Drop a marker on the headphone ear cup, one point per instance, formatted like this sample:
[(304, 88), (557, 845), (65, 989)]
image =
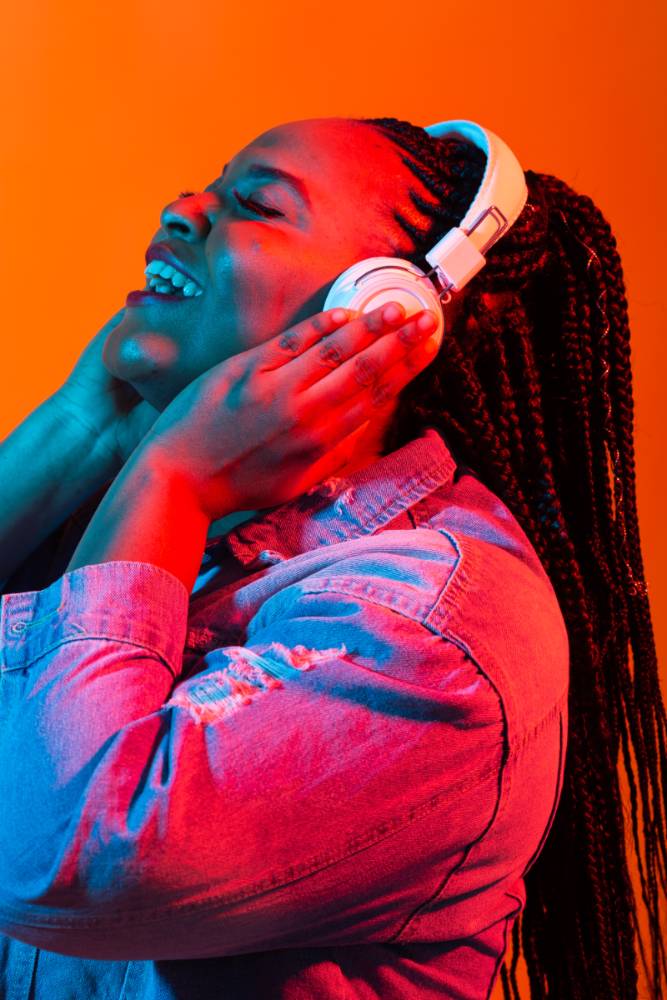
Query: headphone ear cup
[(370, 283)]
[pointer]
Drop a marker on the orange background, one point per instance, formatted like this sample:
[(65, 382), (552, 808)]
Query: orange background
[(109, 110)]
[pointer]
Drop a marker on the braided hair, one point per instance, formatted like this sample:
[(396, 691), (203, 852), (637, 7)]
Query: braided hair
[(533, 389)]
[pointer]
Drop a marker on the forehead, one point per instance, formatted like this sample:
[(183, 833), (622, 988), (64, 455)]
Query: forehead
[(331, 155)]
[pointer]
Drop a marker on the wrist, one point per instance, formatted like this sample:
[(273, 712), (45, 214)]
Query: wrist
[(207, 493), (161, 464), (98, 456), (149, 514)]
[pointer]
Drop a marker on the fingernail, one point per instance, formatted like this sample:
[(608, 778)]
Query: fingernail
[(427, 322), (339, 315), (393, 312)]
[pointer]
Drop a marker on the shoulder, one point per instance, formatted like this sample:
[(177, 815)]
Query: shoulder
[(405, 570), (500, 603), (468, 576)]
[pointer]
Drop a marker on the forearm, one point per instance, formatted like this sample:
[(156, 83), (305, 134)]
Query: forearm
[(149, 514), (48, 468)]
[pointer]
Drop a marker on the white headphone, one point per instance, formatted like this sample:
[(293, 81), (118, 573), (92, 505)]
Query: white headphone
[(459, 255)]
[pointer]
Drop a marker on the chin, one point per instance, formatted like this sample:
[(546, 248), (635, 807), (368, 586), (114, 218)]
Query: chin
[(142, 362)]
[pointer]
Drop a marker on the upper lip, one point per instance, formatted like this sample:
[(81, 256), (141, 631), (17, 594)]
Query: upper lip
[(159, 251)]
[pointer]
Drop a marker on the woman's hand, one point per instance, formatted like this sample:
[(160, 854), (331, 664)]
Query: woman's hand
[(262, 427), (108, 409)]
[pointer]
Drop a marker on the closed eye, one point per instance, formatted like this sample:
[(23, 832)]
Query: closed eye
[(256, 206)]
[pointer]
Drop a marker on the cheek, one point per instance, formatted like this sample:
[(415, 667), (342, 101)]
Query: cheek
[(267, 283), (262, 293)]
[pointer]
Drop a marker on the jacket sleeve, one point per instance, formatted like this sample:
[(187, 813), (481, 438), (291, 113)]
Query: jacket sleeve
[(311, 787)]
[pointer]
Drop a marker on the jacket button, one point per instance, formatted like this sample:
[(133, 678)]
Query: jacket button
[(268, 557)]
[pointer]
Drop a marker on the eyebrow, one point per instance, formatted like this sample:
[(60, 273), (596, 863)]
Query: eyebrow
[(264, 170)]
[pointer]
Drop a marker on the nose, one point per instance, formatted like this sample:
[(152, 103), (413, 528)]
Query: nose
[(190, 218)]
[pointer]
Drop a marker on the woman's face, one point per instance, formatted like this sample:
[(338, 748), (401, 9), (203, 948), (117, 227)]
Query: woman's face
[(261, 273)]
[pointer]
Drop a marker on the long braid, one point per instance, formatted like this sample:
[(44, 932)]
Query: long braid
[(533, 388)]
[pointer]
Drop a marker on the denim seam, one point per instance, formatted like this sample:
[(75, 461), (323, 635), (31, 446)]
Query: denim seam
[(372, 596), (520, 739), (555, 801), (385, 597), (78, 638), (529, 734), (455, 584), (408, 493), (421, 616), (503, 772), (370, 518), (502, 798), (382, 597)]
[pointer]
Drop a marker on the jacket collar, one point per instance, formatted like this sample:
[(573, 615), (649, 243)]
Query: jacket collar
[(340, 509)]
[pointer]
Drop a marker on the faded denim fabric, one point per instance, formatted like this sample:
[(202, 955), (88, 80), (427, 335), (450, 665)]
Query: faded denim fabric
[(324, 773)]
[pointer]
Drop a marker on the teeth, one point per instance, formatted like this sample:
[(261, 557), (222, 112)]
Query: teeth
[(164, 278), (160, 286)]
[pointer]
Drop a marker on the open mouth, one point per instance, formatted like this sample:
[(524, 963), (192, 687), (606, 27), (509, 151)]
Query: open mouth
[(171, 290), (165, 282), (164, 279)]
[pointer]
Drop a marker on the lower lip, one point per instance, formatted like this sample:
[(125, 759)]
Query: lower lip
[(139, 298)]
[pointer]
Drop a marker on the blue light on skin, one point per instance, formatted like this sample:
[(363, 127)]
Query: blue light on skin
[(261, 273)]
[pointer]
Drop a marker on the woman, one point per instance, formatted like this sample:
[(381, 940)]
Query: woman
[(355, 849)]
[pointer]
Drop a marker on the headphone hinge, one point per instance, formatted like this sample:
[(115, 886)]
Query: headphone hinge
[(501, 224)]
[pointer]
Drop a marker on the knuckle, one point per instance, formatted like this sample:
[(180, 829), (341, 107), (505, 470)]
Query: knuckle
[(330, 354), (320, 323), (290, 342), (365, 370)]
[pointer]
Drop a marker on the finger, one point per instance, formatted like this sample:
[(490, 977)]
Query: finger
[(331, 440), (369, 365), (336, 348), (368, 404), (291, 343), (321, 342)]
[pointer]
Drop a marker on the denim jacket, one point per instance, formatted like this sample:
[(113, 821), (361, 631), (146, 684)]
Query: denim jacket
[(323, 773)]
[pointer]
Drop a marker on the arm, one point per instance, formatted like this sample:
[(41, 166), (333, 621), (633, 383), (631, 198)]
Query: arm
[(48, 467), (149, 514), (59, 459), (195, 460), (310, 787), (285, 794)]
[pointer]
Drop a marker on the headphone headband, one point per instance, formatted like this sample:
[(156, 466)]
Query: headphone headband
[(501, 195), (458, 255)]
